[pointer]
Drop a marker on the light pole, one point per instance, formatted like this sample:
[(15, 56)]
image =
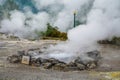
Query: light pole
[(74, 19)]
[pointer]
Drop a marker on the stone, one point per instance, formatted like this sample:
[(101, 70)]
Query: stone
[(79, 60), (21, 53), (54, 61), (47, 65), (41, 60), (71, 64), (80, 66), (71, 67), (94, 54), (80, 63), (14, 59), (33, 49), (91, 65), (86, 63), (31, 53), (40, 52), (59, 66)]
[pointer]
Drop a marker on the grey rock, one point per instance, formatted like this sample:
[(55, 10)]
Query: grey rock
[(80, 63), (59, 66), (80, 66), (41, 60), (47, 65), (91, 65), (79, 60), (94, 54), (14, 59), (21, 53), (71, 64)]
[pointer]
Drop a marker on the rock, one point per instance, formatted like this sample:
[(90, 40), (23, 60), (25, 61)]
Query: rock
[(91, 65), (94, 54), (51, 63), (33, 49), (71, 67), (80, 66), (41, 60), (40, 52), (59, 66), (21, 53), (79, 60), (86, 63), (71, 64), (54, 61), (14, 59), (31, 53), (47, 65), (80, 63)]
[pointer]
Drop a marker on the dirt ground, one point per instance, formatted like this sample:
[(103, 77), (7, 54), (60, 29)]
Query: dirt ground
[(109, 69)]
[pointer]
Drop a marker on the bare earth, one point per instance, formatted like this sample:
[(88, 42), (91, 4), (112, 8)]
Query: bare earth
[(109, 68)]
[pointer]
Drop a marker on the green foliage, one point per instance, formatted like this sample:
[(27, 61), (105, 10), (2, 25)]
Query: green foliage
[(114, 40), (53, 33)]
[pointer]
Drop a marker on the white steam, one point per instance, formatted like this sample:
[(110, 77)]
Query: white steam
[(58, 13), (102, 22), (24, 24), (2, 1)]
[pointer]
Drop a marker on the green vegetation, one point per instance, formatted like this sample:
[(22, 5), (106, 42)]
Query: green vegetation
[(115, 40), (52, 33)]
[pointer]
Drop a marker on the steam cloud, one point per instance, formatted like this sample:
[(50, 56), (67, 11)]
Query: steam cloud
[(103, 22), (102, 19), (58, 13), (2, 1)]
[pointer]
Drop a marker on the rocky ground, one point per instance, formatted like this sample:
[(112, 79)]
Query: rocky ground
[(109, 68)]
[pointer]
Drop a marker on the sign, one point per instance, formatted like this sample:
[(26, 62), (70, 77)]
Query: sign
[(25, 59)]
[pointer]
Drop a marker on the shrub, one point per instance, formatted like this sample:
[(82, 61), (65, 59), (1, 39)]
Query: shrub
[(54, 33)]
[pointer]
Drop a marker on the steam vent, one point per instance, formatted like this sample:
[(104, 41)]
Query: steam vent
[(59, 39), (77, 64)]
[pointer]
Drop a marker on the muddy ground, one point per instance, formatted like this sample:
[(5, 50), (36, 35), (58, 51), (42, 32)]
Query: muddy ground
[(109, 68)]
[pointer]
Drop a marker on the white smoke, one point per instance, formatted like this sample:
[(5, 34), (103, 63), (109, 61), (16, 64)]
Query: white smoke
[(24, 24), (2, 1), (102, 22), (58, 13)]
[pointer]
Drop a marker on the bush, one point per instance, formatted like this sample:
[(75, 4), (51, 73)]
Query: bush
[(54, 33)]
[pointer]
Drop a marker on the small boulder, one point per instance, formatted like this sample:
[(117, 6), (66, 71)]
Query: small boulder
[(59, 66), (80, 66), (53, 60), (14, 59), (47, 65), (41, 60), (94, 54), (91, 65), (80, 61), (21, 53), (71, 64)]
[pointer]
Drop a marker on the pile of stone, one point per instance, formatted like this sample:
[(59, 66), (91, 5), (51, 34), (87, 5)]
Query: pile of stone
[(55, 64)]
